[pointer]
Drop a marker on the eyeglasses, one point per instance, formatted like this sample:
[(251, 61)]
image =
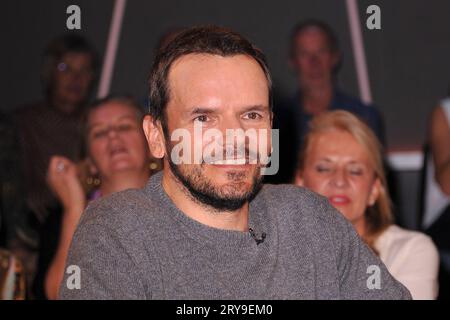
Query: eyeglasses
[(63, 67)]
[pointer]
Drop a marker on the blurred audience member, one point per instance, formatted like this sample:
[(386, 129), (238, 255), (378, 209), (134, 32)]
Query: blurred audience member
[(341, 159), (51, 127), (10, 181), (117, 153), (437, 192), (12, 276), (315, 57), (439, 138)]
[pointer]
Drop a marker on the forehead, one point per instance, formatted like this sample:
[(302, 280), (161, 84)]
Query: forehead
[(77, 58), (311, 36), (336, 143), (202, 79), (111, 111)]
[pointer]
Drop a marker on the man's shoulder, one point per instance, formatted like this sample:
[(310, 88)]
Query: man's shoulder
[(289, 193), (299, 203), (120, 210)]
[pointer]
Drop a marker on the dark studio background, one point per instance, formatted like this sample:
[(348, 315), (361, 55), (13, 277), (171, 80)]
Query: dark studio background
[(408, 59)]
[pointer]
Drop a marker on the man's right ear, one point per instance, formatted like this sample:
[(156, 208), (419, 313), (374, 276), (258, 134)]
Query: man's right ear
[(155, 136)]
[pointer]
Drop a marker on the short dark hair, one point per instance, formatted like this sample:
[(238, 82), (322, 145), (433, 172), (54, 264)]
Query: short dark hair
[(212, 40), (60, 46), (332, 40)]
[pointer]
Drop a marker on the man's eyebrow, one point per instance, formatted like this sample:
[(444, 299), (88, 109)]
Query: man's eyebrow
[(258, 107), (205, 110), (201, 110)]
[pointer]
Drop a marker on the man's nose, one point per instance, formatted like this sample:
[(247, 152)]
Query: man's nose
[(230, 123), (233, 133)]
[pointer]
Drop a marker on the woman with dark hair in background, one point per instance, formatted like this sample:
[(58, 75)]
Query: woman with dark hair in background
[(46, 128), (342, 160)]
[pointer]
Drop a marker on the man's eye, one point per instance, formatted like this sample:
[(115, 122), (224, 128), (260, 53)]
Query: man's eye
[(202, 118), (253, 116)]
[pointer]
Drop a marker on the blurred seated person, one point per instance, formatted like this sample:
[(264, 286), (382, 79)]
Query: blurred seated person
[(436, 218), (315, 58), (49, 127), (11, 187), (117, 154), (437, 209), (439, 138), (12, 277), (341, 159)]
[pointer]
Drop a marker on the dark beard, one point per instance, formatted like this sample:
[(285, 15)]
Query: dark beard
[(205, 193)]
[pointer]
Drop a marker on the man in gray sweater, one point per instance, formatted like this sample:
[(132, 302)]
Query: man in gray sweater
[(205, 227)]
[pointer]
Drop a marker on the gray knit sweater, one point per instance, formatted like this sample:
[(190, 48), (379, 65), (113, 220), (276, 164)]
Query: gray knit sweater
[(136, 244)]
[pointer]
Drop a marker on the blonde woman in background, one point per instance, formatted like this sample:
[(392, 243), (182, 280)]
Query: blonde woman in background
[(117, 153), (342, 160)]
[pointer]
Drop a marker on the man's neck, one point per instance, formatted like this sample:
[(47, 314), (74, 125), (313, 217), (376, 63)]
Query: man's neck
[(227, 220), (317, 100)]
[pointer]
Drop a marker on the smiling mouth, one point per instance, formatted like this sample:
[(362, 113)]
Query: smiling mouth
[(229, 162)]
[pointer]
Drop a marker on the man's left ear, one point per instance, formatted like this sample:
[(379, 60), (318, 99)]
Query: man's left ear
[(375, 192), (154, 134)]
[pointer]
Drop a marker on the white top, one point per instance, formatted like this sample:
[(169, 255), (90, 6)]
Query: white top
[(412, 258)]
